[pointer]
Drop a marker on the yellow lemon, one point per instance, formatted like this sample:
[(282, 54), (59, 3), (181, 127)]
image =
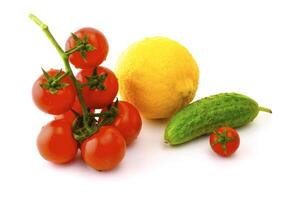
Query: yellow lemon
[(158, 75)]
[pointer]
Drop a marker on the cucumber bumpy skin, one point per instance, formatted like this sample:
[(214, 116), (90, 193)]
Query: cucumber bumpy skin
[(208, 114)]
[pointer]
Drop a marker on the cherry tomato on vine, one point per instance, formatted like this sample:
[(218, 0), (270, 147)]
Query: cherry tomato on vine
[(102, 89), (225, 141), (93, 57), (69, 115), (51, 97), (105, 149), (128, 121), (56, 143)]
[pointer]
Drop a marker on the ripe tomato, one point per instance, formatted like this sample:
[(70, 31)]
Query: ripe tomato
[(225, 141), (56, 143), (53, 103), (94, 57), (128, 121), (105, 149), (97, 98), (69, 115)]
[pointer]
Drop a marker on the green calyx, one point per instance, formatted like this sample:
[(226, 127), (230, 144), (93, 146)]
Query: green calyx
[(82, 46), (96, 81), (53, 84), (81, 131), (223, 139), (108, 116), (95, 122)]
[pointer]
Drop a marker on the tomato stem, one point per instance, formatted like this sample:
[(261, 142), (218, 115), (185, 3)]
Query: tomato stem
[(76, 48), (61, 77), (65, 57)]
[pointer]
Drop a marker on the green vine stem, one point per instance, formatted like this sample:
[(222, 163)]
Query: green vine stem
[(64, 56)]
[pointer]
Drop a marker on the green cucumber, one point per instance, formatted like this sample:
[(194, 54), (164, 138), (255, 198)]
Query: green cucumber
[(208, 114)]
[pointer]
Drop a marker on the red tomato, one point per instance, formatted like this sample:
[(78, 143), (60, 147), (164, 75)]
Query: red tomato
[(69, 115), (57, 103), (128, 121), (96, 98), (225, 141), (56, 143), (94, 57), (105, 149)]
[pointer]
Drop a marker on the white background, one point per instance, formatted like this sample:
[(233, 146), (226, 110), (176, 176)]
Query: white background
[(239, 46)]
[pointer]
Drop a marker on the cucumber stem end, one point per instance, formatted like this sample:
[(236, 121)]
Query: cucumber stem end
[(263, 109)]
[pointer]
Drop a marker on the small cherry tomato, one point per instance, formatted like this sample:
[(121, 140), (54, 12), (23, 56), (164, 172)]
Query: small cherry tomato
[(128, 121), (53, 99), (70, 116), (94, 57), (225, 141), (105, 149), (104, 88), (56, 143)]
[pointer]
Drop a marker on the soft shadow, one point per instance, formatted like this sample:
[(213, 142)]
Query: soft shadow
[(82, 169), (215, 156), (156, 121), (133, 144), (77, 161), (194, 142), (246, 127)]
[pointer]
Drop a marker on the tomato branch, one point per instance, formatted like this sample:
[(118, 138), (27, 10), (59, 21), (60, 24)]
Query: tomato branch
[(68, 69)]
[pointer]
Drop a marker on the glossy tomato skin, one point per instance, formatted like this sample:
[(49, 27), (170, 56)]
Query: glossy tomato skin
[(231, 146), (104, 150), (128, 121), (94, 57), (99, 98), (57, 103), (69, 115), (56, 143)]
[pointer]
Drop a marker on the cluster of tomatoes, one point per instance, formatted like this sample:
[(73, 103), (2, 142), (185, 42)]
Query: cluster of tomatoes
[(86, 114)]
